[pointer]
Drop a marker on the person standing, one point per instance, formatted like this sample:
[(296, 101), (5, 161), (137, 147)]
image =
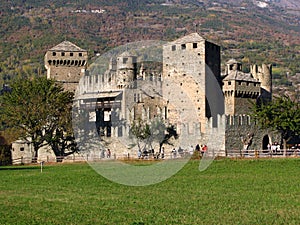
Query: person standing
[(108, 153), (163, 152)]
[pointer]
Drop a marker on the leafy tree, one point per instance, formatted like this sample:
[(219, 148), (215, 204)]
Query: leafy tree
[(163, 133), (61, 137), (40, 110), (5, 153), (282, 114), (140, 130), (153, 131)]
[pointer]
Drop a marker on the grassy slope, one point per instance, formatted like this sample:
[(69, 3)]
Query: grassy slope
[(229, 192)]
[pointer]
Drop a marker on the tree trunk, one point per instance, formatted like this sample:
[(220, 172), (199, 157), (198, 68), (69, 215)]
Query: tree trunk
[(35, 157), (284, 146)]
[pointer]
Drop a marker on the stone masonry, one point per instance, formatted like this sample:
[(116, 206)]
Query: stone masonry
[(189, 64), (66, 63)]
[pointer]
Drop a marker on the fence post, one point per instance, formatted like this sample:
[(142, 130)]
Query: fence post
[(256, 153)]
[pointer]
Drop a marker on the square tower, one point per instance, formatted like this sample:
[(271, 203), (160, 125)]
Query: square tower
[(66, 63), (189, 62)]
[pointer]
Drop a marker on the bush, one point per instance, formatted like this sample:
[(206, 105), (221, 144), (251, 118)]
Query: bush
[(5, 155)]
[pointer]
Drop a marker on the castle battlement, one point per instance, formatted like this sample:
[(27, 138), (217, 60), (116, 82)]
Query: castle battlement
[(238, 120)]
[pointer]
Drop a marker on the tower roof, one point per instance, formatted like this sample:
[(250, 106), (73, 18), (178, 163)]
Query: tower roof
[(241, 76), (193, 37), (232, 61), (126, 54), (67, 46)]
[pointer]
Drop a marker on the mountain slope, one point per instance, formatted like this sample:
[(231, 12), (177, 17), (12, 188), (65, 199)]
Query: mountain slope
[(245, 31)]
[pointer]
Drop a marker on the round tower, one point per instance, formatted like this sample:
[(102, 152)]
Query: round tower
[(266, 79), (126, 69), (264, 75)]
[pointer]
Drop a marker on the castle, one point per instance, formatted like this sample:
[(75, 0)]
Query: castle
[(186, 88)]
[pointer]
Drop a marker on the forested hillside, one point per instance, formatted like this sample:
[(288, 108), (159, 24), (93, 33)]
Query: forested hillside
[(251, 31)]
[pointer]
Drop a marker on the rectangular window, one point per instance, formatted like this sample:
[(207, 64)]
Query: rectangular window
[(53, 53), (22, 149), (125, 60), (229, 82), (183, 46), (62, 54), (71, 53), (173, 47), (195, 45), (80, 54)]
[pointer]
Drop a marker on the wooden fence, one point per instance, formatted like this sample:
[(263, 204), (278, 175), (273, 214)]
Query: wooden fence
[(230, 154)]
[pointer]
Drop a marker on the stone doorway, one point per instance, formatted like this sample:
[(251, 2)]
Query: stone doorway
[(265, 142)]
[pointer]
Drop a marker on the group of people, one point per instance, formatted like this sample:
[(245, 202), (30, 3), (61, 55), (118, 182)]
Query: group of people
[(145, 154), (201, 149), (105, 153), (274, 147)]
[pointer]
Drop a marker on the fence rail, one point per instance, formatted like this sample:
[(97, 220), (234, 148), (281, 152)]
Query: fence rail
[(263, 153), (94, 158)]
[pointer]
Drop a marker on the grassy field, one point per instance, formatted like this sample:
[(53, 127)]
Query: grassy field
[(228, 192)]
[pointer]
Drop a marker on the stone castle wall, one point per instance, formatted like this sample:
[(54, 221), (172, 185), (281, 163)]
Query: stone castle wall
[(241, 128)]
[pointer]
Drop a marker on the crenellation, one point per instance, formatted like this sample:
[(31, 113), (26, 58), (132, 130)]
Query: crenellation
[(238, 120)]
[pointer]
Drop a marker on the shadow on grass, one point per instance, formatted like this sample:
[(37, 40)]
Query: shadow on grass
[(37, 167)]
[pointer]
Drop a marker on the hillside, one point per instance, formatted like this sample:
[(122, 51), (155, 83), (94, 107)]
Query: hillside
[(251, 31)]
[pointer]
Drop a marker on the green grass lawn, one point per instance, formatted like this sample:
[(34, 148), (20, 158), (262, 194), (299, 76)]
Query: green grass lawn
[(228, 192)]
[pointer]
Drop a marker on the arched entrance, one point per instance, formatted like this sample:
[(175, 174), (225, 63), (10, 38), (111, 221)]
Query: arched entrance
[(265, 142)]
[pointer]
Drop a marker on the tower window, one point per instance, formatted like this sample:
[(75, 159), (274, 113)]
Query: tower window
[(62, 54), (71, 53), (229, 82), (173, 47), (195, 45), (53, 53), (183, 46), (80, 54)]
